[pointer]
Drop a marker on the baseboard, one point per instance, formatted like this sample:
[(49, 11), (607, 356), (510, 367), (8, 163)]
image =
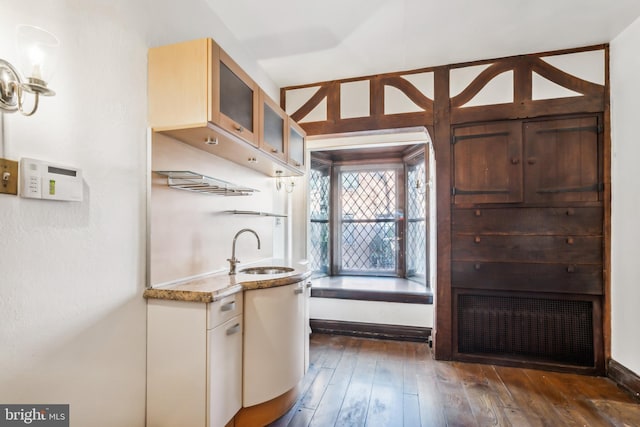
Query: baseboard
[(625, 378), (371, 330)]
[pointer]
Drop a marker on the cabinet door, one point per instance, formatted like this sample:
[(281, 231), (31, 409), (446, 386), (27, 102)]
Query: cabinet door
[(237, 97), (296, 145), (562, 160), (225, 372), (487, 163), (273, 342), (273, 128)]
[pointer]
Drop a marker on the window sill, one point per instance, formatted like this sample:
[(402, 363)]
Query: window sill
[(367, 295)]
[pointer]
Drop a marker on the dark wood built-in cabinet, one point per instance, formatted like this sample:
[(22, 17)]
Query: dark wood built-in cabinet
[(527, 242)]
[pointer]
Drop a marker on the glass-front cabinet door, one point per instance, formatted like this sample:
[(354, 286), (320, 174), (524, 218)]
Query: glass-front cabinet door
[(296, 145), (273, 134), (237, 97)]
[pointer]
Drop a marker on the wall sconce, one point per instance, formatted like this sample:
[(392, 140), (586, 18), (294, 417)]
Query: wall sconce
[(288, 187), (37, 51)]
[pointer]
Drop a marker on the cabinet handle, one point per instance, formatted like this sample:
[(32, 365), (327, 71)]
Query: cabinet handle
[(228, 306), (238, 128), (571, 269), (298, 290), (297, 164), (308, 284), (515, 160), (234, 329), (476, 239), (274, 150), (532, 160), (570, 241), (477, 212), (570, 212), (476, 267)]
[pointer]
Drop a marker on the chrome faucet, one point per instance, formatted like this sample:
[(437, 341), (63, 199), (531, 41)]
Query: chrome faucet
[(233, 261)]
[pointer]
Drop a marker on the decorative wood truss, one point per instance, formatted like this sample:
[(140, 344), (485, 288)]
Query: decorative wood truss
[(589, 97)]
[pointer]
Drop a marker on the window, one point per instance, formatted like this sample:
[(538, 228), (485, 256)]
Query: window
[(371, 213), (370, 220)]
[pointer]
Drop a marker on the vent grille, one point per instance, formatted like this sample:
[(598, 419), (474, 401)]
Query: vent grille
[(557, 331)]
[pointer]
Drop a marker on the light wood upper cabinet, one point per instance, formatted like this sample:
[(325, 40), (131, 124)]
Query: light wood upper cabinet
[(273, 127), (196, 82), (200, 96)]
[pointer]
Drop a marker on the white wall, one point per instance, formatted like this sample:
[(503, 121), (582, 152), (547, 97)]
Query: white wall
[(191, 234), (72, 316), (625, 276)]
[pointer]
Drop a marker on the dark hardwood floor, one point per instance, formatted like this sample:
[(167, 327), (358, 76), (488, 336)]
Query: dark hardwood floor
[(363, 382)]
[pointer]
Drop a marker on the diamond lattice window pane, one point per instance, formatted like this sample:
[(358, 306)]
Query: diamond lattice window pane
[(319, 188), (416, 220), (369, 224)]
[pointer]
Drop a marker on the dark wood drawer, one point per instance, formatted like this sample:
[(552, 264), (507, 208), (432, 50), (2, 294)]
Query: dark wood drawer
[(542, 221), (529, 277), (521, 248)]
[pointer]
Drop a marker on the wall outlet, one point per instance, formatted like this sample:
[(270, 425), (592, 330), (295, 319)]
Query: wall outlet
[(8, 177)]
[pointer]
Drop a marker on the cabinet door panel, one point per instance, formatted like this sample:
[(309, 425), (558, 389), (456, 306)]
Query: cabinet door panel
[(273, 342), (562, 160), (225, 371), (296, 145), (236, 98), (273, 128), (487, 163)]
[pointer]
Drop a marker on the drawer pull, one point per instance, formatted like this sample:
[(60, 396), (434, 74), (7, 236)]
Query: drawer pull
[(532, 160), (477, 212), (570, 212), (476, 267), (515, 160), (238, 128), (571, 269), (234, 329), (298, 290), (297, 164), (476, 239), (230, 306), (570, 241), (274, 150)]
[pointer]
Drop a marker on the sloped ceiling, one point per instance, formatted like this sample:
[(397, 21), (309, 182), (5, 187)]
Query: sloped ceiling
[(305, 41)]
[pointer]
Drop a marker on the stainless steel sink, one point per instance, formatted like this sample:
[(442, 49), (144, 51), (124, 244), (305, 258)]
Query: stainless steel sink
[(266, 270)]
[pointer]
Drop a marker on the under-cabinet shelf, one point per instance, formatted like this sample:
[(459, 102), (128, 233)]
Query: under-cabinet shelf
[(255, 213), (198, 183)]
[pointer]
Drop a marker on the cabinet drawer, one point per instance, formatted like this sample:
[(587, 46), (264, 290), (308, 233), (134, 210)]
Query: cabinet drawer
[(519, 248), (557, 278), (224, 309), (566, 221)]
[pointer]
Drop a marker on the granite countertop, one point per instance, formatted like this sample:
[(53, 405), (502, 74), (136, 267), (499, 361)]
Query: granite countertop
[(217, 286)]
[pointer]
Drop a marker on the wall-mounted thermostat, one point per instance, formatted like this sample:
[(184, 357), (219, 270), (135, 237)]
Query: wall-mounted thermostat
[(44, 180)]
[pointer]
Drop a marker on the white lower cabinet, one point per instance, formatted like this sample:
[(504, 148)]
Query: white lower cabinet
[(274, 341), (194, 362)]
